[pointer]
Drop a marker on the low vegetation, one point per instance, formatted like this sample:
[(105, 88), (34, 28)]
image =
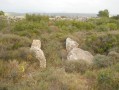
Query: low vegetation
[(19, 69)]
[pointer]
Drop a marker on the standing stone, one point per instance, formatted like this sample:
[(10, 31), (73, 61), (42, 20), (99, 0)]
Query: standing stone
[(70, 44), (36, 48)]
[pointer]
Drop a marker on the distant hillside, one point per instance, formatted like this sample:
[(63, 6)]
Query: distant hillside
[(15, 14), (72, 14), (57, 14)]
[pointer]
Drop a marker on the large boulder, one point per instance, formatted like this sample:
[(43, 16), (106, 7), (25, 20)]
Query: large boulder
[(75, 53), (79, 54), (36, 48), (70, 44)]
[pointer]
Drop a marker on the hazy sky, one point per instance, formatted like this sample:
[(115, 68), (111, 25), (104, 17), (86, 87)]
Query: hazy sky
[(67, 6)]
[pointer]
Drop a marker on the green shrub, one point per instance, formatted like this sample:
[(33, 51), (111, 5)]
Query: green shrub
[(61, 23), (101, 21), (14, 41), (12, 70), (102, 28), (3, 23), (22, 25), (107, 80), (21, 54), (91, 77), (115, 17), (83, 25), (2, 13), (118, 24), (24, 54), (115, 49), (36, 18), (50, 80), (29, 28), (112, 26), (102, 44), (114, 56), (116, 67), (101, 61), (104, 80), (76, 66), (9, 44), (53, 58), (3, 68), (65, 26), (104, 24)]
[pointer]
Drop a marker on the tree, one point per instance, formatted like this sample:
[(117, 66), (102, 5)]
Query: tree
[(104, 13), (1, 13)]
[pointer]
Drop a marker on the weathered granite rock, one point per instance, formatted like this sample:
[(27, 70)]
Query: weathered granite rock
[(70, 44), (79, 54), (75, 53), (36, 48)]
